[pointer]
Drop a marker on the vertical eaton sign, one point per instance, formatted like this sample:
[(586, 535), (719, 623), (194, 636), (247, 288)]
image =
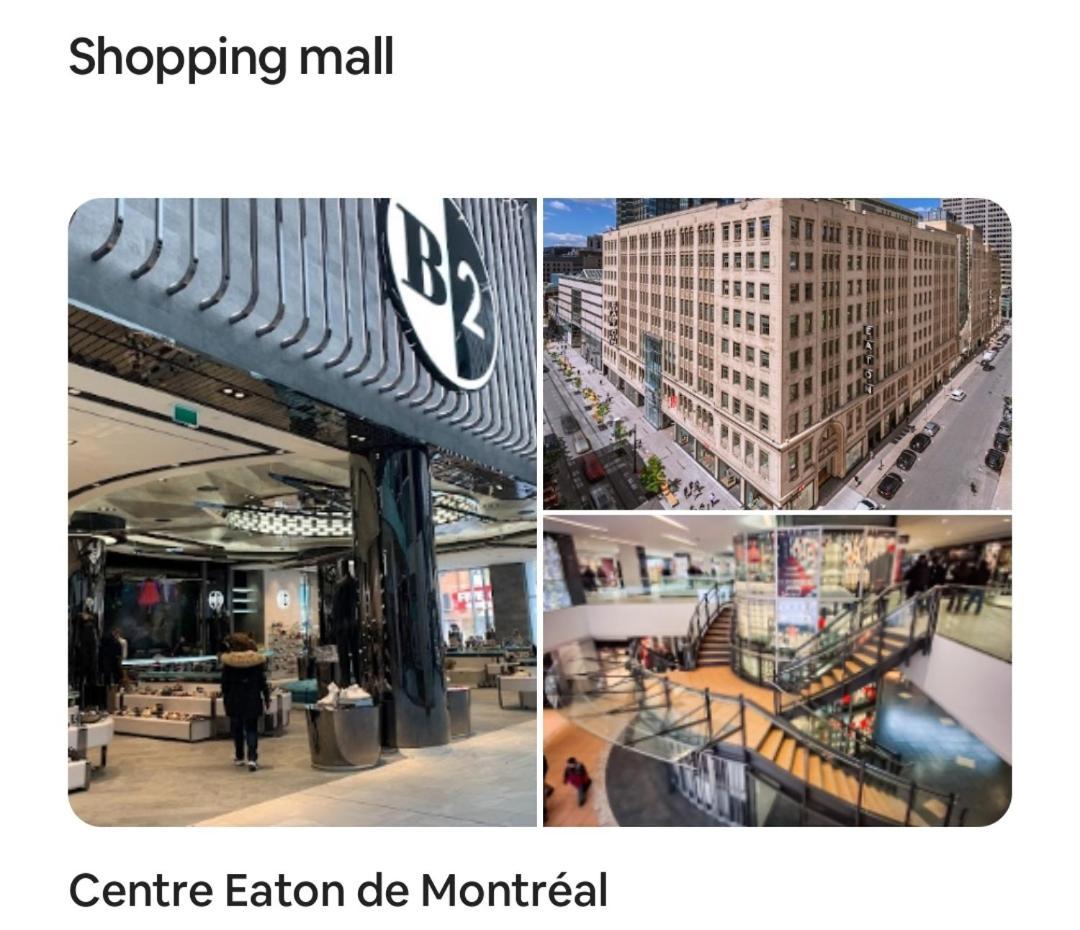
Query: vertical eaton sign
[(868, 359), (436, 278)]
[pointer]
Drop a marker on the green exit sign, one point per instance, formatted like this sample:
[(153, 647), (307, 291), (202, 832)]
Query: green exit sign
[(188, 416)]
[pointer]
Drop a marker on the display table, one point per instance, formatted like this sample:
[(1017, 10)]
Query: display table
[(188, 731), (523, 685), (459, 703), (97, 735), (203, 705), (348, 737)]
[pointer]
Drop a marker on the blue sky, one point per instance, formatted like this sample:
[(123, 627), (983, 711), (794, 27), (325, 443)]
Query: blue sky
[(567, 220)]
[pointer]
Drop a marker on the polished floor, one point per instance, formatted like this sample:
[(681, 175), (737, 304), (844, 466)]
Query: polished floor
[(563, 740), (943, 755), (488, 779)]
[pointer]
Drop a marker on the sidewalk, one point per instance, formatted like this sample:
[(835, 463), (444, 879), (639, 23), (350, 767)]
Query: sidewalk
[(651, 441)]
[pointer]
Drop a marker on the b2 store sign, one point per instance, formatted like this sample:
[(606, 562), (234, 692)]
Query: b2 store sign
[(436, 279)]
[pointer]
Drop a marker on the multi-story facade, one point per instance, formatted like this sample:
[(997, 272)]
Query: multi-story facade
[(783, 339), (995, 226), (978, 284), (566, 259), (580, 309)]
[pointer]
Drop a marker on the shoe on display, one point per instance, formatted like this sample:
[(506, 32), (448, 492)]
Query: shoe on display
[(252, 766)]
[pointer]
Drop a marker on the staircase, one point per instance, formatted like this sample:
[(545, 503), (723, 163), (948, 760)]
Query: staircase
[(715, 645), (856, 651), (801, 760)]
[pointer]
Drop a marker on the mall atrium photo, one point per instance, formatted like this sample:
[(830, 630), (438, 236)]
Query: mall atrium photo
[(767, 670)]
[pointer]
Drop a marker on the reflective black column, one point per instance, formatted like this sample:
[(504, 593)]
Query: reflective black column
[(394, 546)]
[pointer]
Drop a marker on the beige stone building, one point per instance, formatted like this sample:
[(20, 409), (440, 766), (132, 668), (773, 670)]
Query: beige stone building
[(978, 285), (782, 339)]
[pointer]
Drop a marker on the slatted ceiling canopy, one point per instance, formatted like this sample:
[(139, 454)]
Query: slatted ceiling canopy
[(291, 289)]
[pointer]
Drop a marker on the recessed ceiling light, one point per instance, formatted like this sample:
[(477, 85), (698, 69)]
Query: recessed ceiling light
[(357, 437), (679, 539), (674, 523), (587, 526), (239, 395), (227, 390)]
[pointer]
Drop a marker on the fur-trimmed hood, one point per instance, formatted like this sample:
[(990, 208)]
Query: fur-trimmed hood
[(247, 658)]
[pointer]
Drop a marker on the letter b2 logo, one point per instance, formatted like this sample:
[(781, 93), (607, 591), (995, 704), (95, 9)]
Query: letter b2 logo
[(435, 276)]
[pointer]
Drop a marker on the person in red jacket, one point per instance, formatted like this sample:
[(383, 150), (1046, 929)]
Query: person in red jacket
[(577, 775)]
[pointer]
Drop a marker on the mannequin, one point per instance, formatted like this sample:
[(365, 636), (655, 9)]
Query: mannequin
[(87, 644), (346, 625)]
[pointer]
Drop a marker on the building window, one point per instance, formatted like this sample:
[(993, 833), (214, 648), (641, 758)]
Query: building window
[(764, 320), (765, 292), (765, 261), (793, 227), (793, 261), (763, 359), (765, 227)]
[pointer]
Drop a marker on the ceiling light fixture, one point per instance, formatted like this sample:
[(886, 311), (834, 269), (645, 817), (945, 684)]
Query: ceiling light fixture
[(614, 539), (587, 526), (674, 523), (679, 539)]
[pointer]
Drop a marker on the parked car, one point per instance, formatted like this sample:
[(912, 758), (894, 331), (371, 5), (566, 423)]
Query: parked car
[(602, 499), (986, 366), (957, 394), (919, 442), (907, 460), (592, 467), (581, 444), (995, 459), (889, 485), (866, 504), (932, 428), (1001, 441), (1005, 427)]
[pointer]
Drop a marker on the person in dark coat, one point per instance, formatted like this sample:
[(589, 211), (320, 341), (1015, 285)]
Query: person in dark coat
[(111, 658), (979, 579), (918, 577), (246, 694)]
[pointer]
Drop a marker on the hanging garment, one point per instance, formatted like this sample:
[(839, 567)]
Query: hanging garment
[(149, 595)]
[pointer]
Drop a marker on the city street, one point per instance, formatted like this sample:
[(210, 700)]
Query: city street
[(560, 398), (941, 479)]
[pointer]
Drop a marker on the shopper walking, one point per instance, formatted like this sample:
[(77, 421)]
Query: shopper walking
[(246, 693), (577, 775), (980, 578), (918, 577), (961, 572)]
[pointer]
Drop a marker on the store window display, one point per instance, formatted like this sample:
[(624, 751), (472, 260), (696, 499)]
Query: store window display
[(466, 603)]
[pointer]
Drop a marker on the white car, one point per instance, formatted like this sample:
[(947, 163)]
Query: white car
[(957, 394), (581, 444), (866, 504)]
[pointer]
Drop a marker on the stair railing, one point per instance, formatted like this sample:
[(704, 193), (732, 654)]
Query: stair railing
[(706, 610)]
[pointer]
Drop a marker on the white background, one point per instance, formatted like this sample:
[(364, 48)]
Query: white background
[(579, 99)]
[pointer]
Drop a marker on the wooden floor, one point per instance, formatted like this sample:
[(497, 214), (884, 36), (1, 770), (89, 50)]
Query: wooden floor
[(561, 740)]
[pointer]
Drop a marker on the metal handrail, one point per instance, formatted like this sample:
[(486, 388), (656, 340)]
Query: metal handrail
[(880, 777)]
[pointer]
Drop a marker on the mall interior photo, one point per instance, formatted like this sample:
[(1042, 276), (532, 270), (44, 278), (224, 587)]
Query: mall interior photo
[(777, 670), (301, 533)]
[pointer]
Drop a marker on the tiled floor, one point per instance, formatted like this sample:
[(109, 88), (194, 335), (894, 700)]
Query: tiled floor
[(944, 755), (163, 783)]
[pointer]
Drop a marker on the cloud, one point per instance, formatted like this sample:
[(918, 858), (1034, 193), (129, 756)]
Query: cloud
[(555, 238), (557, 205)]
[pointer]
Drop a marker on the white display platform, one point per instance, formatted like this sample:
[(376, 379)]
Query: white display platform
[(78, 775), (88, 736), (189, 731), (524, 686), (201, 705)]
